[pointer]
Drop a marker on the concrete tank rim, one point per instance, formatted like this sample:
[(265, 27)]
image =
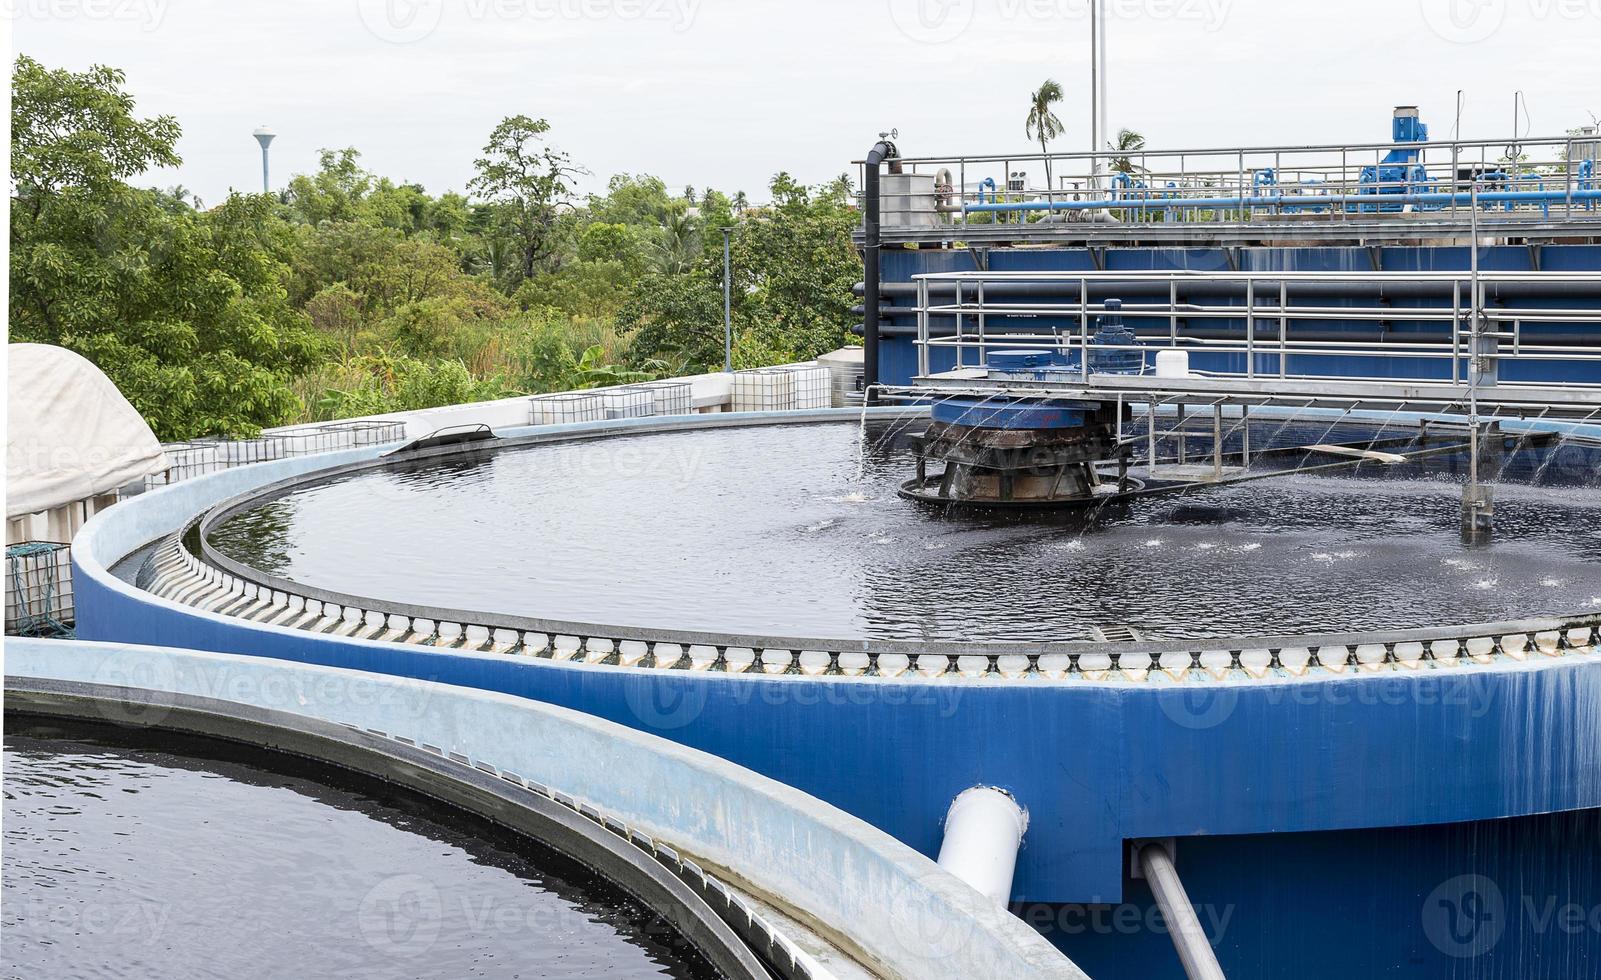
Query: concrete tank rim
[(69, 660)]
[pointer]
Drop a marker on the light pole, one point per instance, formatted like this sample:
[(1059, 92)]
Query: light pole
[(264, 136), (1097, 86), (728, 315)]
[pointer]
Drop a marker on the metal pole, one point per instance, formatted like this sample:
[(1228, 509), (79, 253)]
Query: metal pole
[(1477, 507), (1097, 87), (728, 308), (1183, 925)]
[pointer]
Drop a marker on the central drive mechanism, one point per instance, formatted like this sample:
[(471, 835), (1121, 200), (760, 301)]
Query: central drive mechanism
[(1021, 453)]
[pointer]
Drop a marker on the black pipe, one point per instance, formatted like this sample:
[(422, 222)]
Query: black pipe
[(881, 151)]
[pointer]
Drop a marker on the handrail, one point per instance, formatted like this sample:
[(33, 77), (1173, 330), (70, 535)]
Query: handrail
[(1386, 146)]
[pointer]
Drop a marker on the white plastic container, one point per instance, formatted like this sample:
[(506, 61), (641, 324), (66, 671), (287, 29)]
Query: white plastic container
[(627, 403), (1172, 364), (765, 390), (814, 386)]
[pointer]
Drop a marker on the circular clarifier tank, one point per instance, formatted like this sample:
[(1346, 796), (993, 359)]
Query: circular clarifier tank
[(797, 530), (141, 854)]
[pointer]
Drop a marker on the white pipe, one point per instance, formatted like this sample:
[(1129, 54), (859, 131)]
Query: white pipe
[(1195, 951), (983, 831)]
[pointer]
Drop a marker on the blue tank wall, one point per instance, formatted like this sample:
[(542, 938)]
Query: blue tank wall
[(1267, 787), (898, 360), (1096, 764)]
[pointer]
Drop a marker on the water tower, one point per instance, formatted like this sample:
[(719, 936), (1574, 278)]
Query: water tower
[(264, 136)]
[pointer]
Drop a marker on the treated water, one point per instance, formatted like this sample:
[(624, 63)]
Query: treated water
[(124, 859), (768, 530)]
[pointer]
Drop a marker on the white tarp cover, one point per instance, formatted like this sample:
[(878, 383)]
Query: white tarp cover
[(70, 433)]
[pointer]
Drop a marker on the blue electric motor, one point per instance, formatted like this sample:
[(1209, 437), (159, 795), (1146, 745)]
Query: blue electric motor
[(1399, 172), (1111, 331)]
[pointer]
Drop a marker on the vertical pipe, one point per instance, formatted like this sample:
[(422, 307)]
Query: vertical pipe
[(1150, 439), (1284, 327), (1245, 434), (961, 339), (881, 150), (1173, 311), (1217, 441), (1084, 328), (1189, 939), (266, 182), (923, 332), (1250, 327), (983, 353)]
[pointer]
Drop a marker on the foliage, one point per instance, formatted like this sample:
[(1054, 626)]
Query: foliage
[(1127, 142), (677, 320), (528, 182), (1042, 123), (353, 294), (184, 310)]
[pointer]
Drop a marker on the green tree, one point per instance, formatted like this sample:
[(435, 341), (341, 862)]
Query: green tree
[(677, 320), (1042, 123), (1128, 142), (335, 192), (529, 183), (795, 268), (678, 246), (184, 310)]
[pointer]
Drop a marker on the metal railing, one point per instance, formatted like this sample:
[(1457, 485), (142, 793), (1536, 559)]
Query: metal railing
[(1550, 177), (1255, 317)]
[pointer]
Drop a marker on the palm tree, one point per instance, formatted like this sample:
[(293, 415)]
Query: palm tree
[(679, 244), (741, 202), (1128, 141), (1042, 123)]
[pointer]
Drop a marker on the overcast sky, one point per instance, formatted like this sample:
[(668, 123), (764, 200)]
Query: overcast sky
[(727, 92)]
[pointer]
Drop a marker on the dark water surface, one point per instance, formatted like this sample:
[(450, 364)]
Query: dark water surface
[(770, 530), (126, 861)]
